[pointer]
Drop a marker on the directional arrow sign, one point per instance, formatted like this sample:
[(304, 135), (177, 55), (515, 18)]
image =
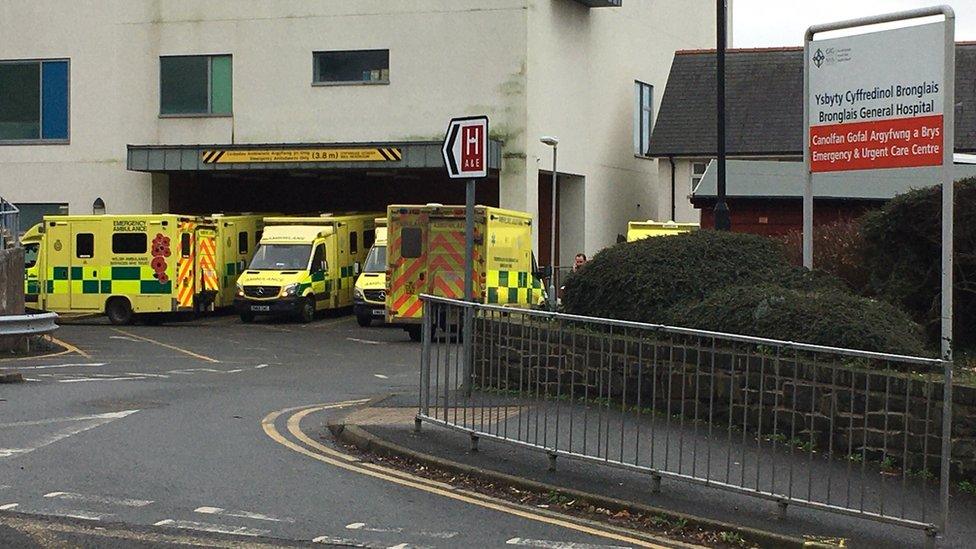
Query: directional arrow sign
[(466, 147)]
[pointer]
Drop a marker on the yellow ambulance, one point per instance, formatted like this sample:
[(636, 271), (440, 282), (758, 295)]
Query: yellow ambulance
[(31, 242), (426, 255), (637, 230), (304, 265), (237, 239), (369, 294), (125, 265)]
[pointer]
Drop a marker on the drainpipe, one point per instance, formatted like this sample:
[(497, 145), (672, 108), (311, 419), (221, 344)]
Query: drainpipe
[(671, 160)]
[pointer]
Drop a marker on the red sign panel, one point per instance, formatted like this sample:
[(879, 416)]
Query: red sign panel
[(472, 149), (466, 147), (892, 143)]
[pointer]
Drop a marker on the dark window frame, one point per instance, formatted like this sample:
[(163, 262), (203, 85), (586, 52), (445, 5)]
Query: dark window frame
[(353, 242), (117, 243), (90, 245), (643, 117), (411, 242), (40, 116), (242, 246), (186, 245), (317, 78), (369, 238), (209, 114)]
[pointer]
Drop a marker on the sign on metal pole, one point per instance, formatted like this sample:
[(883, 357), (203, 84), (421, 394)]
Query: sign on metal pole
[(886, 100), (466, 157), (466, 148)]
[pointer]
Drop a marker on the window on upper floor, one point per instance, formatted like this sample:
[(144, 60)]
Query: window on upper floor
[(34, 101), (351, 67), (643, 106), (697, 172), (195, 85)]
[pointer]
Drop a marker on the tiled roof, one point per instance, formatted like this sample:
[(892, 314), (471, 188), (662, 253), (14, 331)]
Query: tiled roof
[(764, 106)]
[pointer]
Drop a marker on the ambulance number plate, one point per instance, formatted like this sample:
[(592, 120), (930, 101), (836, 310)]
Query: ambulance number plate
[(260, 308)]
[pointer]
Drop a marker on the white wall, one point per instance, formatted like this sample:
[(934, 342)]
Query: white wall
[(581, 73), (683, 209), (448, 57)]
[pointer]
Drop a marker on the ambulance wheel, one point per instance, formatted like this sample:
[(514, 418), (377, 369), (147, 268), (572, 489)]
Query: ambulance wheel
[(119, 311), (247, 317), (307, 313), (415, 332), (364, 321)]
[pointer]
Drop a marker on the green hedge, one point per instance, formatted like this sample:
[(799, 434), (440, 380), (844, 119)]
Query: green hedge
[(902, 251), (825, 317), (642, 280)]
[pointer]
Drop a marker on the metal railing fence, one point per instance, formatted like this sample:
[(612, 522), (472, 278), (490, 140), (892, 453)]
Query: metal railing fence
[(852, 432), (9, 224)]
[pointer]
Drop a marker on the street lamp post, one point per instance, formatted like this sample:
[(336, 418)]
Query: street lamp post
[(553, 142)]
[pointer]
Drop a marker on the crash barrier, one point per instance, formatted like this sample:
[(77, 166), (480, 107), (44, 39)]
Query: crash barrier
[(16, 331), (24, 325), (9, 224), (852, 432)]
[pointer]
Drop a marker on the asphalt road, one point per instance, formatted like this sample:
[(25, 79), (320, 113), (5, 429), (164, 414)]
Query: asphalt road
[(157, 435)]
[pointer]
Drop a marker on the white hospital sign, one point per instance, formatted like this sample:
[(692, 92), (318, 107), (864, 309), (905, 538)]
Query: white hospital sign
[(876, 100)]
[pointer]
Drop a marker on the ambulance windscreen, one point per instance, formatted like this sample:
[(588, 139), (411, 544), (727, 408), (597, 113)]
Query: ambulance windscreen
[(281, 257), (376, 260)]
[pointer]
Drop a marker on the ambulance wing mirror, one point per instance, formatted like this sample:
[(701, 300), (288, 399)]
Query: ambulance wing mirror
[(324, 266), (356, 268), (241, 265), (542, 272)]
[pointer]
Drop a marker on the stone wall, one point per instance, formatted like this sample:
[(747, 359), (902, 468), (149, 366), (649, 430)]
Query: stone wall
[(851, 407), (12, 293), (12, 281)]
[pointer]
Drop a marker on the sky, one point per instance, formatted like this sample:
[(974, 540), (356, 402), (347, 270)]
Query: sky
[(766, 23)]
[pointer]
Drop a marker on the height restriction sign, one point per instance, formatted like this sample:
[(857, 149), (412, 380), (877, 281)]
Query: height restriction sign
[(466, 147), (876, 100)]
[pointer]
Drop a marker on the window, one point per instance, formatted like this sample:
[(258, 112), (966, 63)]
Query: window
[(185, 245), (84, 245), (129, 243), (351, 67), (410, 242), (35, 100), (242, 242), (353, 242), (643, 117), (30, 254), (195, 85), (697, 172), (369, 237), (317, 259)]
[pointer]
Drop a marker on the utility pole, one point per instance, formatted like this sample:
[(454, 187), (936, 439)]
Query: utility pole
[(723, 221)]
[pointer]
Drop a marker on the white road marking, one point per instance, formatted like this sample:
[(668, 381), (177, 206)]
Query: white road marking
[(339, 541), (549, 544), (161, 376), (366, 341), (109, 415), (88, 422), (81, 379), (215, 528), (239, 514), (409, 546), (362, 526), (381, 376), (72, 496), (51, 366), (259, 366), (126, 338), (8, 506), (75, 514)]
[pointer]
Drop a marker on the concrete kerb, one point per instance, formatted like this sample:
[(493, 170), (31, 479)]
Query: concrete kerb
[(368, 442)]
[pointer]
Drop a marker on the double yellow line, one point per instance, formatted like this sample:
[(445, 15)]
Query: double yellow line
[(317, 451)]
